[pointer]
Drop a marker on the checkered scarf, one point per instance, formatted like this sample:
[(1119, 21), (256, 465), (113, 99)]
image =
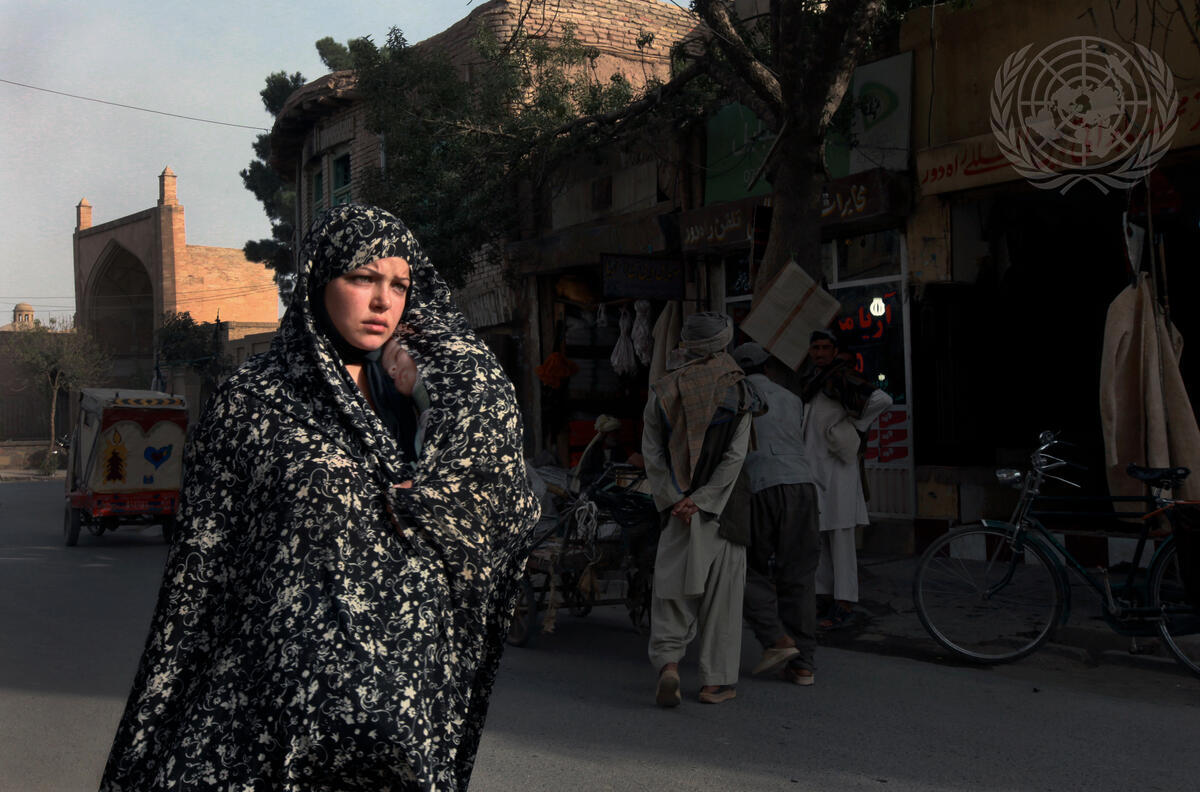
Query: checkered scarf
[(691, 393)]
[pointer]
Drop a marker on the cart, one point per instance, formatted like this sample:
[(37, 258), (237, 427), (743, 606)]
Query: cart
[(124, 461), (599, 550)]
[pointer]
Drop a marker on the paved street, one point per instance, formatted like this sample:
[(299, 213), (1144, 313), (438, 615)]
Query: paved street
[(575, 711)]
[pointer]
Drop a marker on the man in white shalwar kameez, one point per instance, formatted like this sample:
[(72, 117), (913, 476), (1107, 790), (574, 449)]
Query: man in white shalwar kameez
[(697, 429), (841, 407)]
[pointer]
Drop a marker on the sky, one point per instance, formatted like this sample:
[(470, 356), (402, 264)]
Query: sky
[(205, 60)]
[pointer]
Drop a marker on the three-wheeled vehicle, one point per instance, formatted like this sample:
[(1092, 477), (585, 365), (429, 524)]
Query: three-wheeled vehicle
[(124, 461)]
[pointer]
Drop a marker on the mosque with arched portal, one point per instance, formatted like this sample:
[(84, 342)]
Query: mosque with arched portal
[(133, 271)]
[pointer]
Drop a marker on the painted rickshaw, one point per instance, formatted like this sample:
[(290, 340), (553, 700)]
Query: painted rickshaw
[(124, 461)]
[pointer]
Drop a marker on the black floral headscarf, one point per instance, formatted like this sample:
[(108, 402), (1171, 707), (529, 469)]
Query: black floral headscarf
[(318, 628)]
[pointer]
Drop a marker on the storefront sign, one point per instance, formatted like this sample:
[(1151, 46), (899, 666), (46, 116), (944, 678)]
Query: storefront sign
[(978, 161), (881, 95), (861, 197), (639, 276), (729, 223)]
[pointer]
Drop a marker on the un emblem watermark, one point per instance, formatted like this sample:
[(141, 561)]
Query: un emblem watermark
[(1084, 110)]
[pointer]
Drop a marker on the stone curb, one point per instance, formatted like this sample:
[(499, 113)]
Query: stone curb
[(31, 475)]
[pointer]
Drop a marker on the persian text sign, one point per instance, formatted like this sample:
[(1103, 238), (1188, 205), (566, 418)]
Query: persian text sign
[(639, 276)]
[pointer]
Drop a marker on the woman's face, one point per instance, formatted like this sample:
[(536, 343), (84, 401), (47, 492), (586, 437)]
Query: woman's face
[(365, 304)]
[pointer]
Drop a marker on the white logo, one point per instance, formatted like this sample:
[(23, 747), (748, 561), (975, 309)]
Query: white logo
[(1084, 110)]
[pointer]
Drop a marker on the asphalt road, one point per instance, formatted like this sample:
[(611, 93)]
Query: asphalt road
[(575, 711)]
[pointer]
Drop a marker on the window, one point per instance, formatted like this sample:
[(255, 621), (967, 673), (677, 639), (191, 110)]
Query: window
[(341, 180), (316, 191)]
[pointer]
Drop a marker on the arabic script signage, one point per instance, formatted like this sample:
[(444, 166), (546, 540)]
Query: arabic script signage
[(972, 162), (722, 224), (640, 276), (977, 161), (859, 197)]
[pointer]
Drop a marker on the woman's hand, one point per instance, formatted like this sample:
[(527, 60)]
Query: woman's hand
[(400, 366)]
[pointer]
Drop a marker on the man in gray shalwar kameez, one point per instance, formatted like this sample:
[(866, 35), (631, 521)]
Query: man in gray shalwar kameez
[(697, 429)]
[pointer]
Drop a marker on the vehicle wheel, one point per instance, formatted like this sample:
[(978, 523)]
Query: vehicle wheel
[(72, 519), (168, 529), (578, 603), (985, 600), (523, 627), (638, 600), (1180, 625)]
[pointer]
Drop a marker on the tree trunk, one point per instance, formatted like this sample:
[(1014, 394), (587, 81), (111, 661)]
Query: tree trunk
[(54, 380), (795, 235)]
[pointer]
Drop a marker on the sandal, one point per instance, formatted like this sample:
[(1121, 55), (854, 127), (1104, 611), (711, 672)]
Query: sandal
[(839, 616), (722, 693)]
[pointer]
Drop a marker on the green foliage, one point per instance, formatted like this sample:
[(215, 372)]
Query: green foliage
[(60, 359), (55, 360), (280, 86), (334, 55), (184, 342), (277, 197), (456, 151)]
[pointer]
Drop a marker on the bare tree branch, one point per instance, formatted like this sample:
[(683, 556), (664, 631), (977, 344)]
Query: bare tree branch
[(1191, 28), (846, 29), (630, 111), (757, 76)]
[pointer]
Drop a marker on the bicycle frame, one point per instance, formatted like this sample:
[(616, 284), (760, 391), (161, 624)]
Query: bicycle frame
[(1024, 526)]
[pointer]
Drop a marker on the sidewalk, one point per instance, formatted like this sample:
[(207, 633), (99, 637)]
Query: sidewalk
[(886, 623), (31, 475)]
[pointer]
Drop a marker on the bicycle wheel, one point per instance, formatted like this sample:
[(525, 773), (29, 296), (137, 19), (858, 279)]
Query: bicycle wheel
[(984, 600), (1180, 625), (523, 627)]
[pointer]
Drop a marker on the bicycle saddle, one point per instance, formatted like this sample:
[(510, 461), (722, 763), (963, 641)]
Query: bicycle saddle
[(1169, 477)]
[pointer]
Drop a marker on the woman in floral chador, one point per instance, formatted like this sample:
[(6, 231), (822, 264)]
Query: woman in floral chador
[(334, 606)]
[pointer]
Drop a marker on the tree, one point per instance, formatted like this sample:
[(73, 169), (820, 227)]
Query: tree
[(184, 342), (58, 361), (792, 68), (334, 55), (456, 150), (277, 197)]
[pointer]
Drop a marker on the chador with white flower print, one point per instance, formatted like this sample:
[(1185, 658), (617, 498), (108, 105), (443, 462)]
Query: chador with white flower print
[(320, 627)]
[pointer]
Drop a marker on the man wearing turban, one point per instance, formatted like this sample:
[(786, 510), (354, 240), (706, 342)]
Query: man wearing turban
[(697, 430)]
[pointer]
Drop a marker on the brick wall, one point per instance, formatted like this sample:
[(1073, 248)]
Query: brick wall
[(488, 298), (212, 280), (612, 26)]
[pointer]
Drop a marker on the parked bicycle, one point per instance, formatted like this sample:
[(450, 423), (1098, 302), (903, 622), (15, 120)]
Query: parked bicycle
[(995, 591)]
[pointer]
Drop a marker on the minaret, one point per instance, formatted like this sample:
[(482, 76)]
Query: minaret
[(83, 215), (166, 188)]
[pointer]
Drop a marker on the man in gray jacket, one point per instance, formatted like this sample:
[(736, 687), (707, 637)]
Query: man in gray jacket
[(780, 602)]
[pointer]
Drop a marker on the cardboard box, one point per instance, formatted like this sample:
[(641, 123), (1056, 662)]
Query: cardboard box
[(792, 306)]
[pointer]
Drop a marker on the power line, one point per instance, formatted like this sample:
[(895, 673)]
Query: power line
[(133, 107)]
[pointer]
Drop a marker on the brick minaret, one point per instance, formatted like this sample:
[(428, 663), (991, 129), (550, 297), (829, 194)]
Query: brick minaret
[(166, 187), (173, 241)]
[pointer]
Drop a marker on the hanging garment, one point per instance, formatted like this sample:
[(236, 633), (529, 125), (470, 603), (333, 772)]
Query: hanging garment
[(623, 358), (1145, 412), (643, 335)]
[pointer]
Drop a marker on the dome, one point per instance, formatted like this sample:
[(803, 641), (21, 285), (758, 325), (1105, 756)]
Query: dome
[(23, 307)]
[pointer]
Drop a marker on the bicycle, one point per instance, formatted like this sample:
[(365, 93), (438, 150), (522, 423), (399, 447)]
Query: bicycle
[(995, 591)]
